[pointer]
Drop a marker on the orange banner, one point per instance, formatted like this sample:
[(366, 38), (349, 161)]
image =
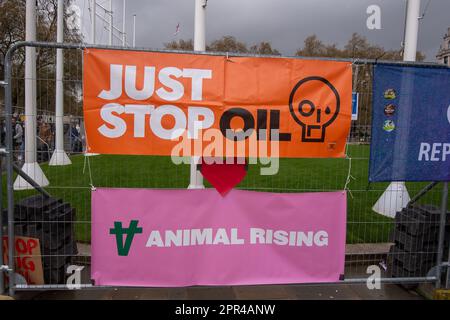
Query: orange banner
[(148, 103)]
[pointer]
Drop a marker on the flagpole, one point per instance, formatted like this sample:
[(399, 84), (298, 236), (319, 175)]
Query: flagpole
[(59, 157), (30, 167), (93, 17), (93, 41), (110, 23), (196, 178), (200, 25), (123, 22), (134, 30), (411, 30)]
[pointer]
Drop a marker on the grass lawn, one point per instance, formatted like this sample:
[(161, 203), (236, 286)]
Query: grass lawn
[(72, 183)]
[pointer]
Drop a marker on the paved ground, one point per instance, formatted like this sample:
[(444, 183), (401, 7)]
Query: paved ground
[(288, 292), (304, 292)]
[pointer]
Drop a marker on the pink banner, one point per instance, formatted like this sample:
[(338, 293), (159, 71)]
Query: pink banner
[(168, 238)]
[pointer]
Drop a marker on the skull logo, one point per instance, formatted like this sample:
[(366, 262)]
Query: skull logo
[(312, 111)]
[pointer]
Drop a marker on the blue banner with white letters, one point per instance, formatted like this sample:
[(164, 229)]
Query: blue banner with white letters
[(355, 104), (410, 124)]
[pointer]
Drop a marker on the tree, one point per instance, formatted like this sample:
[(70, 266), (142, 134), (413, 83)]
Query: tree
[(12, 30), (312, 47), (357, 47), (225, 44), (228, 44), (264, 48), (12, 26), (187, 45)]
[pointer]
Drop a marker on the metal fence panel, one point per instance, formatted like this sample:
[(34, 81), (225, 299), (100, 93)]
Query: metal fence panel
[(372, 239)]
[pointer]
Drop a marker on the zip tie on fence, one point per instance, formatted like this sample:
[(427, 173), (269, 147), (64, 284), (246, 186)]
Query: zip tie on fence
[(227, 57), (84, 165), (90, 174), (83, 47), (349, 177), (5, 268), (355, 61), (86, 158), (91, 183), (355, 75)]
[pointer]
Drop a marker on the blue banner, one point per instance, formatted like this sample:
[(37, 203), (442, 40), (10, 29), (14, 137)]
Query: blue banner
[(410, 124), (355, 104)]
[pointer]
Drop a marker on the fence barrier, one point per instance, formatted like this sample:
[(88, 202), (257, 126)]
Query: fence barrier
[(408, 250)]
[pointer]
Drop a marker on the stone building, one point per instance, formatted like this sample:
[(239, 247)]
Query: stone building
[(443, 55)]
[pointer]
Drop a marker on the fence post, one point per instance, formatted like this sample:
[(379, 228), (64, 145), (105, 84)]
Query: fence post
[(447, 281), (9, 167), (442, 223), (2, 284)]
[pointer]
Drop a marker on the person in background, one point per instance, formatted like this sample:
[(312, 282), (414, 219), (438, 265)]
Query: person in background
[(52, 127), (18, 138), (75, 138), (42, 149), (3, 133), (45, 135)]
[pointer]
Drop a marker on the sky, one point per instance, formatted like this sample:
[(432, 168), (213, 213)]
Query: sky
[(284, 23)]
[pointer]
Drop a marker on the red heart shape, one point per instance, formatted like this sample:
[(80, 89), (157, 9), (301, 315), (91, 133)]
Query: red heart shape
[(223, 177)]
